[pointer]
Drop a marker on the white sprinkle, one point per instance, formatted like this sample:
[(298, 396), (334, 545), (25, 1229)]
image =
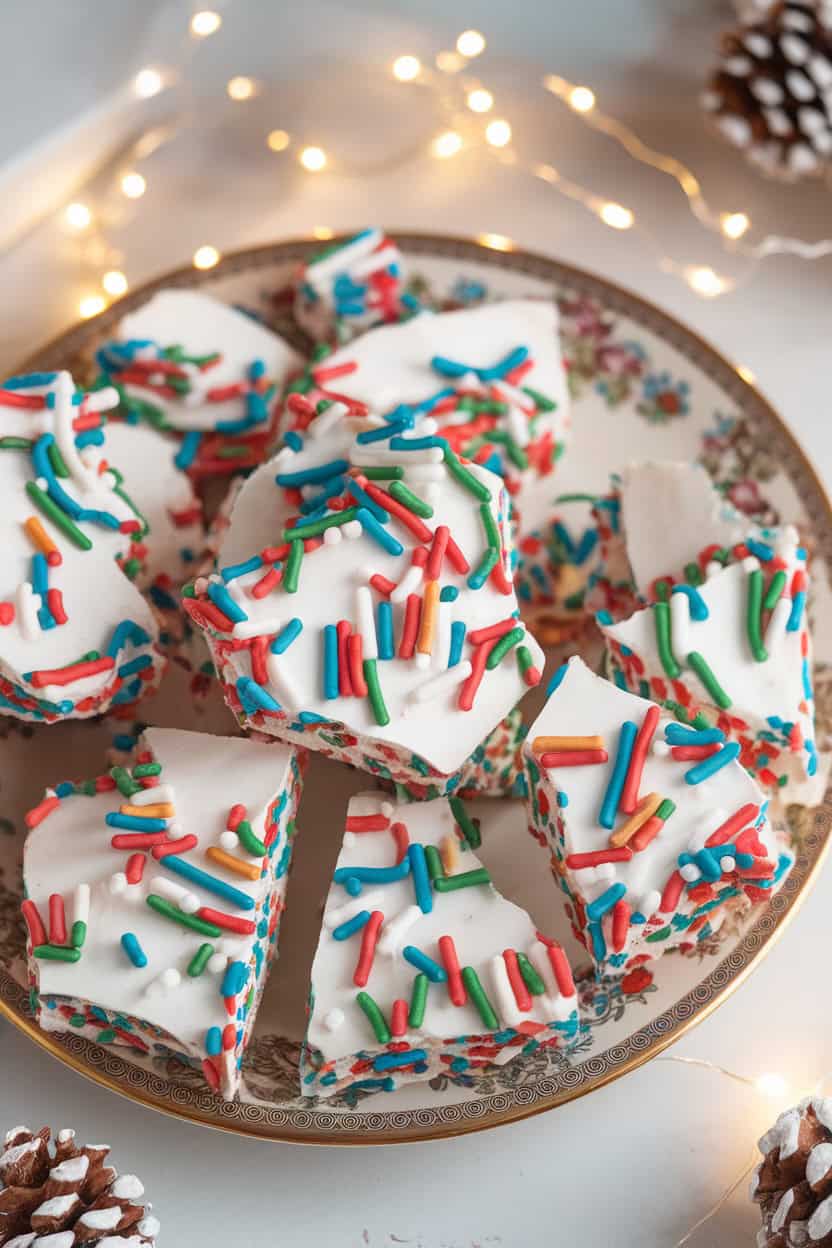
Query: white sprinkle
[(352, 529), (365, 901), (171, 978), (366, 621), (152, 796), (411, 580), (712, 568), (394, 930), (27, 611), (727, 863), (650, 903), (689, 872), (680, 623), (333, 1019), (387, 809), (217, 963), (118, 883), (81, 904), (229, 840), (439, 686), (332, 536)]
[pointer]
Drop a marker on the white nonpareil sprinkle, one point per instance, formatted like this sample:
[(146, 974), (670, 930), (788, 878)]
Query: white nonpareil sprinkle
[(818, 1163), (820, 1223), (334, 1019)]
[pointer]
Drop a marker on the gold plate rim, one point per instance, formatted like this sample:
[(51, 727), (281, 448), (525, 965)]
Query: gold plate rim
[(757, 941)]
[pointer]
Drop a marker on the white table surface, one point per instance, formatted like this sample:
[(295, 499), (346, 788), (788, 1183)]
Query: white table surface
[(639, 1162)]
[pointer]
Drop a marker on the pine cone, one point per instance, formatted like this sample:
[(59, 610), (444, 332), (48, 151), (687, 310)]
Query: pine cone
[(793, 1182), (69, 1195), (772, 93)]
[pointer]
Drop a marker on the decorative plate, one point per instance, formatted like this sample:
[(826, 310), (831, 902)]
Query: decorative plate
[(642, 386)]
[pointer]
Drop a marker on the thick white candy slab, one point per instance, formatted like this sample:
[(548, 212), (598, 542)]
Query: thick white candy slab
[(201, 325), (206, 776)]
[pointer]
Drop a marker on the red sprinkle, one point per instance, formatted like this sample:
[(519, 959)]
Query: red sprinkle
[(323, 375), (620, 924), (55, 603), (725, 831), (401, 839), (492, 631), (398, 1018), (693, 753), (456, 558), (572, 758), (257, 650), (138, 840), (412, 614), (343, 629), (672, 893), (621, 853), (229, 1037), (6, 613), (211, 1074), (267, 583), (641, 746), (229, 922), (397, 509), (57, 920), (646, 833), (135, 868), (37, 932), (518, 985), (369, 937), (236, 815), (367, 823), (175, 847), (433, 567), (563, 971), (73, 672), (382, 584), (355, 649), (456, 988), (38, 813)]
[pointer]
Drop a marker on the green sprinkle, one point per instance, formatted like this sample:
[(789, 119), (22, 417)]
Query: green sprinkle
[(483, 569), (79, 935), (465, 823), (232, 452), (57, 953), (168, 911), (661, 934), (665, 809), (703, 671), (125, 783), (250, 843), (412, 501), (541, 401), (465, 478), (374, 692), (753, 615), (774, 590), (316, 527), (662, 590), (492, 535), (374, 1014), (476, 992), (77, 1020), (383, 474), (524, 659), (501, 649), (131, 568), (59, 518), (464, 879), (200, 960), (700, 720), (10, 443), (661, 617), (531, 978), (575, 498), (107, 1036), (434, 863), (418, 998), (291, 573), (693, 574), (147, 769), (151, 413), (56, 459)]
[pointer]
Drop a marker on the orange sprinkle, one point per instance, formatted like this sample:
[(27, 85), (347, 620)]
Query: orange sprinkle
[(233, 863), (542, 745), (38, 536), (428, 624), (162, 810), (646, 807)]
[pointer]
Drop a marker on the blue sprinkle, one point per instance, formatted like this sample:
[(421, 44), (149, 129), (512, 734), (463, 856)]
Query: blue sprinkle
[(234, 980), (373, 875), (421, 879), (386, 431), (762, 550), (457, 642), (601, 905), (384, 630), (330, 662), (416, 444), (221, 598), (363, 499), (389, 1061), (696, 603), (603, 618), (435, 973), (138, 664), (565, 539), (127, 630), (345, 930), (40, 574), (286, 636), (372, 528), (211, 883), (213, 1042), (188, 451), (562, 799), (599, 945), (133, 949), (449, 593), (252, 694), (709, 766), (293, 440), (239, 569), (312, 476), (132, 823), (555, 682), (586, 546), (807, 680), (678, 734), (609, 806), (796, 613)]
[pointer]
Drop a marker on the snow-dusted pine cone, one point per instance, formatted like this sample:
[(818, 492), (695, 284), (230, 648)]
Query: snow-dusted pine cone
[(771, 94), (67, 1196), (793, 1183)]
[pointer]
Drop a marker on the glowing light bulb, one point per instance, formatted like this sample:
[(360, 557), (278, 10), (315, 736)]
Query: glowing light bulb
[(78, 216), (447, 144), (114, 282), (147, 83), (746, 374), (406, 68), (91, 305), (470, 43), (498, 133), (205, 257), (705, 281), (205, 23), (616, 216), (278, 140), (772, 1085), (240, 88), (313, 159), (581, 99), (479, 100), (449, 62), (133, 185), (734, 224), (497, 242)]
